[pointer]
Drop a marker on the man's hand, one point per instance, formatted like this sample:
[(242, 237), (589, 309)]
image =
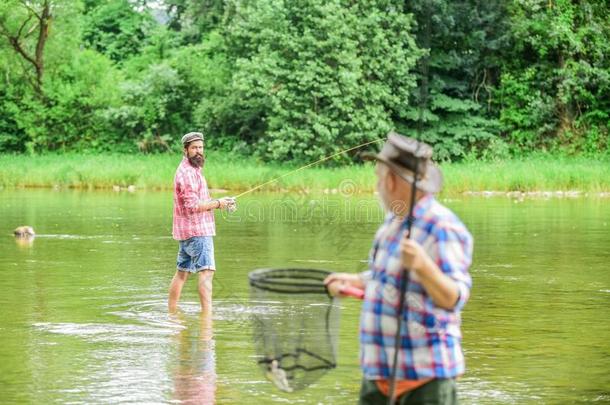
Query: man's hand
[(226, 203), (232, 205), (337, 281), (443, 290), (413, 255)]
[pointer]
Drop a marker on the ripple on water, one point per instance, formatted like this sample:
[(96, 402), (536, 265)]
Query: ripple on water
[(477, 391), (68, 236), (496, 265), (313, 261), (245, 309), (107, 332), (152, 322), (154, 312)]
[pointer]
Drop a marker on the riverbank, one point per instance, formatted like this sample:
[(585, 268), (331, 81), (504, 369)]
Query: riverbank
[(535, 174)]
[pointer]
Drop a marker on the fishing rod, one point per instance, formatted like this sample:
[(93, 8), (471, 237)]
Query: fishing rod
[(306, 166), (404, 281)]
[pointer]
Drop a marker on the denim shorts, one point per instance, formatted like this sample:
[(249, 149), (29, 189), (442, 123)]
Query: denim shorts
[(196, 254)]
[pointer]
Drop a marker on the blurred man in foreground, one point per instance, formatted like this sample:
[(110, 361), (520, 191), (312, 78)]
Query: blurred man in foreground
[(435, 261)]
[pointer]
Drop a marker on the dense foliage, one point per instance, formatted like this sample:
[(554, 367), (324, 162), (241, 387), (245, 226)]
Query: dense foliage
[(297, 80)]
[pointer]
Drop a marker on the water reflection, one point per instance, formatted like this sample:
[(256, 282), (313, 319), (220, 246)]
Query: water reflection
[(194, 375), (24, 241), (533, 329)]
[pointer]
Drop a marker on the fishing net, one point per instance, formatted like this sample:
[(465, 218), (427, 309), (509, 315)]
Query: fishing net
[(295, 326)]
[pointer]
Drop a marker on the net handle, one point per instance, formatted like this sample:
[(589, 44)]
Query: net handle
[(354, 292)]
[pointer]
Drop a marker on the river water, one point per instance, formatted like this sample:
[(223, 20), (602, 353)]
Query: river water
[(83, 307)]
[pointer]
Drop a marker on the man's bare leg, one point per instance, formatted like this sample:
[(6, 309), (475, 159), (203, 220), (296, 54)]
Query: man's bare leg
[(175, 289), (205, 289)]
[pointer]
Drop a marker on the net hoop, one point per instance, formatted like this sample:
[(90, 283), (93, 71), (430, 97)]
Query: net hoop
[(290, 281)]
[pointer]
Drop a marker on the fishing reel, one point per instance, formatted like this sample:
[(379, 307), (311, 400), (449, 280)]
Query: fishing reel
[(232, 207)]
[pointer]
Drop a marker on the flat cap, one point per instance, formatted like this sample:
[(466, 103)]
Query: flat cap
[(190, 137)]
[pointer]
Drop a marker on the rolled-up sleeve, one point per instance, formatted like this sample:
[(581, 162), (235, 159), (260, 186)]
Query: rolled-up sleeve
[(188, 193), (366, 276), (455, 246)]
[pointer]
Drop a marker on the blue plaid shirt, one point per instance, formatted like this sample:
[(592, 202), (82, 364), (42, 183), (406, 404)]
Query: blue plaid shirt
[(431, 336)]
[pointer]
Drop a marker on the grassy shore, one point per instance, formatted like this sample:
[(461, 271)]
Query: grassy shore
[(155, 172)]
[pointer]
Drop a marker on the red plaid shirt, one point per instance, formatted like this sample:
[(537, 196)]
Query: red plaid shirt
[(190, 188)]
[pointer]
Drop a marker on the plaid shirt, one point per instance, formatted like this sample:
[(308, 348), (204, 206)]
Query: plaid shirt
[(190, 188), (431, 337)]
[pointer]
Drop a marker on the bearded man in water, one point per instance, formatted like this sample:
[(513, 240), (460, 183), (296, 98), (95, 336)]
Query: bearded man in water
[(193, 225)]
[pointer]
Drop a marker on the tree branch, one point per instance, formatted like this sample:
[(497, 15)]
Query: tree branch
[(23, 26), (19, 49), (3, 29), (31, 10), (14, 41), (43, 33), (28, 75), (480, 85), (30, 31), (37, 60)]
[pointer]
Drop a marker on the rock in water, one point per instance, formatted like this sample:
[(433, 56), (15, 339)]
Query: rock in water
[(24, 232)]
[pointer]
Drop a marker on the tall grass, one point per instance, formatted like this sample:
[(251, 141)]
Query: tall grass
[(536, 173), (533, 173)]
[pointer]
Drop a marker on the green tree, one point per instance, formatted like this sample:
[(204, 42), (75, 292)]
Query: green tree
[(312, 77), (301, 79), (456, 79), (56, 106), (117, 30), (76, 94), (195, 18), (556, 75), (154, 109), (26, 26)]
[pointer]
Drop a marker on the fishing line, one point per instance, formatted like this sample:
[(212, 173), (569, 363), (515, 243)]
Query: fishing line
[(306, 166)]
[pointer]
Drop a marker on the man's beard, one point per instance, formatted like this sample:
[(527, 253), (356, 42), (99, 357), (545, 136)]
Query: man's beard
[(197, 160)]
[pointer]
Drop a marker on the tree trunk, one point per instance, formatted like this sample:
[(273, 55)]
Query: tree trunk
[(564, 110), (43, 34), (17, 40)]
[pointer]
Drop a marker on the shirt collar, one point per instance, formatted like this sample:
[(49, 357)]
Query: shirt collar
[(422, 205)]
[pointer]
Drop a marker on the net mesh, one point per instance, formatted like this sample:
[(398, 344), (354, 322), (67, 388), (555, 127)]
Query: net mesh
[(295, 330)]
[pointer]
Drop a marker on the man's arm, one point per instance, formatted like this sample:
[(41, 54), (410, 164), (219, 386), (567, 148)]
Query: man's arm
[(449, 288), (441, 288), (210, 205), (191, 198)]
